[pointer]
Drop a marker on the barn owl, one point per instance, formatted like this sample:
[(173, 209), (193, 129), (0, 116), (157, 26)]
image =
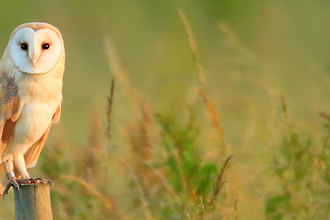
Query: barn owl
[(31, 72)]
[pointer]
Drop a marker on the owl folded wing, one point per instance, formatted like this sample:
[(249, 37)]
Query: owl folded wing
[(10, 109), (32, 155)]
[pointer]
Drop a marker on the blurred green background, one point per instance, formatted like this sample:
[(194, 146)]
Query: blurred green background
[(251, 52)]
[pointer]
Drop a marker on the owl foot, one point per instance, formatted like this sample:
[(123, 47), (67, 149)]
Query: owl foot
[(38, 181), (13, 182)]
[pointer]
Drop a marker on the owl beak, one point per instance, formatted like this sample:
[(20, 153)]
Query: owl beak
[(33, 59)]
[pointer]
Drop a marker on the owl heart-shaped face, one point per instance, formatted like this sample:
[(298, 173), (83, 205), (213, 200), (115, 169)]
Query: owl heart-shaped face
[(35, 51)]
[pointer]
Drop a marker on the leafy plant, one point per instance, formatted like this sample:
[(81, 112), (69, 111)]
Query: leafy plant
[(300, 169)]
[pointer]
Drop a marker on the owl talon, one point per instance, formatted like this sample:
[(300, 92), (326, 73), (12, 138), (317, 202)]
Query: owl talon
[(39, 181), (19, 182), (12, 183), (32, 181)]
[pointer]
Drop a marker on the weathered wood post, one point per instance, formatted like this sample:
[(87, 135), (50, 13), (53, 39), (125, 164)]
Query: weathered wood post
[(32, 202)]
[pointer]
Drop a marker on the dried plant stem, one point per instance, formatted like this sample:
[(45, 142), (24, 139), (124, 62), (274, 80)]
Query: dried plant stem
[(215, 120), (321, 156), (91, 189), (193, 47), (219, 182), (235, 204), (138, 181), (213, 115), (110, 100), (231, 204), (285, 109), (164, 180)]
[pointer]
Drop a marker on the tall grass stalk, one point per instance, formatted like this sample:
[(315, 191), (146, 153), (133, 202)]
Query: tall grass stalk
[(201, 90), (110, 100)]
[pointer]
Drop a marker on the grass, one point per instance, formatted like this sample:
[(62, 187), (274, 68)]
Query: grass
[(167, 172), (169, 178), (302, 179), (185, 166)]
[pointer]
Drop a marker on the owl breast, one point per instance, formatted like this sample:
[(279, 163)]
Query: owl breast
[(35, 119), (41, 96)]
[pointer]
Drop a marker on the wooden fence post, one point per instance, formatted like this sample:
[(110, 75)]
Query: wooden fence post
[(32, 202)]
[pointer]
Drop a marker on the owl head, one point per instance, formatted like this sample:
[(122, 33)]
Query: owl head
[(36, 48)]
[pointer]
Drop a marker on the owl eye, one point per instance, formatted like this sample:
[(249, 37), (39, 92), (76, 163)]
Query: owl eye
[(45, 46), (24, 46)]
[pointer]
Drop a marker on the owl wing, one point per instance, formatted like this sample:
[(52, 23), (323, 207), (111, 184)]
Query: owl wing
[(10, 110), (32, 155)]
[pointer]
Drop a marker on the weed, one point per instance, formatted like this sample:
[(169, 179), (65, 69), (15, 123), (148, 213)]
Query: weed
[(300, 170)]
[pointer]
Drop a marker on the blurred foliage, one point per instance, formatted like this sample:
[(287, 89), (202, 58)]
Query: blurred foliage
[(193, 179), (164, 166), (180, 184), (301, 168)]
